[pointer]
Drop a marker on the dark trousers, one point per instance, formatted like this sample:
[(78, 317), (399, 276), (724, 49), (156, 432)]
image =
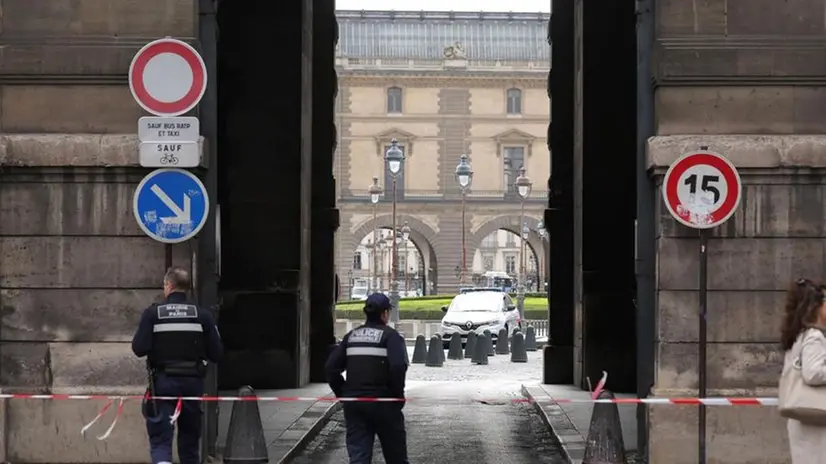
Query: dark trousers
[(365, 421), (161, 432)]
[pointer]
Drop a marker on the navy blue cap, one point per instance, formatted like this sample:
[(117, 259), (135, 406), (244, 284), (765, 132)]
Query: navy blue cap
[(378, 301)]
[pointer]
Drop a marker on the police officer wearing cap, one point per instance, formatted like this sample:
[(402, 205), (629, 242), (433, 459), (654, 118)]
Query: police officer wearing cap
[(178, 338), (375, 358)]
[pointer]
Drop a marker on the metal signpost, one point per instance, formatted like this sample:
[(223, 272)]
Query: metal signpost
[(702, 190), (168, 78), (171, 205)]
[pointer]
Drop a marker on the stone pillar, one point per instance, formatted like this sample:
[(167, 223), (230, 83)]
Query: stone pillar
[(325, 217), (558, 355), (712, 81)]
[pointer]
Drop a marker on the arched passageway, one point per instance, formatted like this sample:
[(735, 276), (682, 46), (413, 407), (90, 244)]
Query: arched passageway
[(510, 223), (422, 237)]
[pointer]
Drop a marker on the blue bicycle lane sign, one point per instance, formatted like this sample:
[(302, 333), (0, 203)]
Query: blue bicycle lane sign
[(171, 205)]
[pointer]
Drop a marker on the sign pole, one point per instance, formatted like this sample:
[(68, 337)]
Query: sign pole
[(702, 190), (703, 334), (168, 253)]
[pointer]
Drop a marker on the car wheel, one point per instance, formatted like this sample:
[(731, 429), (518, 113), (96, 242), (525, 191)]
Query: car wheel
[(507, 330), (445, 345)]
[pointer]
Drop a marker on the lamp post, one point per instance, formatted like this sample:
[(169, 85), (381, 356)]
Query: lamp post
[(394, 157), (406, 237), (464, 175), (523, 186), (523, 249), (375, 192)]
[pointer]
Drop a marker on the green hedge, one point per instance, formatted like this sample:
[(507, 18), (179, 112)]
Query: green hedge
[(430, 308), (429, 314)]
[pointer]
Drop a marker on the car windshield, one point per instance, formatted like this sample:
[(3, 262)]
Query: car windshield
[(476, 302)]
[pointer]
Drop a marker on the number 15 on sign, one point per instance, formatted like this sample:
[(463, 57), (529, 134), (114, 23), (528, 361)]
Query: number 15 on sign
[(702, 189)]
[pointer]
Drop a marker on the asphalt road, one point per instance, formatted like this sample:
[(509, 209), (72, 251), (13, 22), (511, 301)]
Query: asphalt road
[(460, 412)]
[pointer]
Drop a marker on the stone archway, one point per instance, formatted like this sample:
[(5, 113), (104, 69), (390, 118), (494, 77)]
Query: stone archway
[(511, 223), (422, 236)]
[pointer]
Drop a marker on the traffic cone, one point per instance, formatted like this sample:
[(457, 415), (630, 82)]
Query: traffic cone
[(530, 338), (518, 352), (419, 351), (245, 438), (435, 353), (470, 345), (455, 351), (604, 444)]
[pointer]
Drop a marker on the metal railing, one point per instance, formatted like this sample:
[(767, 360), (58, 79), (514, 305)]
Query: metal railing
[(344, 63), (540, 326)]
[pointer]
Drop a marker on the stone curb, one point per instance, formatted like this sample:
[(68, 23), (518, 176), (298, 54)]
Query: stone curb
[(563, 429), (298, 435)]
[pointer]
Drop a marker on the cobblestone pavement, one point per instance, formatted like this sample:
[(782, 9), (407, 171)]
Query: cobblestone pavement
[(460, 412)]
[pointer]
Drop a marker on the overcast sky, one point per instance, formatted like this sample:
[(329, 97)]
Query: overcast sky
[(531, 6)]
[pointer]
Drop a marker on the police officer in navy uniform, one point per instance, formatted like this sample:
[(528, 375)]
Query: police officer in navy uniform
[(375, 358), (178, 338)]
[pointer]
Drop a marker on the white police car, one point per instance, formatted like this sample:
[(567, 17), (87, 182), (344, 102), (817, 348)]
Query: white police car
[(477, 311)]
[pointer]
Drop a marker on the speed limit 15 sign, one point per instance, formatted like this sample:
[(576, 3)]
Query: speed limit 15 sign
[(702, 189)]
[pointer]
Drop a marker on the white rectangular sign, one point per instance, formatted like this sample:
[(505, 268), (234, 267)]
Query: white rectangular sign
[(154, 129), (170, 154)]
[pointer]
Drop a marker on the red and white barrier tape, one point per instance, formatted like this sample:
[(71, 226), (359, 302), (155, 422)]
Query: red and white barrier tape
[(110, 399), (711, 401)]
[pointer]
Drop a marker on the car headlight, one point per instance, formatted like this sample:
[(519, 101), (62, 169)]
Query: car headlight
[(493, 322)]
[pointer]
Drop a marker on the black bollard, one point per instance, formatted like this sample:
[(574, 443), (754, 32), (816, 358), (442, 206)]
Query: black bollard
[(604, 444), (455, 351), (419, 351), (518, 352), (502, 342), (530, 339), (245, 437), (480, 352), (489, 343), (435, 352), (470, 345)]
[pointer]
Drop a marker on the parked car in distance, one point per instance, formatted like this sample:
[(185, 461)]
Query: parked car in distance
[(478, 311), (358, 293)]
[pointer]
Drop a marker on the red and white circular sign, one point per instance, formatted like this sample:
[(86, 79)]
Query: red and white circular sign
[(702, 189), (167, 77)]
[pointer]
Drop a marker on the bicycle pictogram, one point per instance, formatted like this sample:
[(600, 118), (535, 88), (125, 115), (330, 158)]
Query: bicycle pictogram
[(169, 158)]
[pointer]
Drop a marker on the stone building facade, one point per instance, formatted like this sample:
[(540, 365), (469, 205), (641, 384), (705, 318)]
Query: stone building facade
[(470, 83)]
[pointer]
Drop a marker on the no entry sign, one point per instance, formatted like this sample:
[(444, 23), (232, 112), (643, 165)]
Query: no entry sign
[(702, 189), (167, 77)]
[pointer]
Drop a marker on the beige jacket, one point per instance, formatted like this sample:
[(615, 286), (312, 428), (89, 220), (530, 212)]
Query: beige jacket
[(808, 442)]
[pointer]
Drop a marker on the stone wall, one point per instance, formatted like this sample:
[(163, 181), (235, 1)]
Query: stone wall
[(776, 236), (75, 270)]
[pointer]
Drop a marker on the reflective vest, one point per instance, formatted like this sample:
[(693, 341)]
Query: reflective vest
[(367, 366), (178, 339)]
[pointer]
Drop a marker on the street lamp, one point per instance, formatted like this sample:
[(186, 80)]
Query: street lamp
[(540, 229), (394, 157), (375, 192), (406, 237), (523, 188), (464, 175)]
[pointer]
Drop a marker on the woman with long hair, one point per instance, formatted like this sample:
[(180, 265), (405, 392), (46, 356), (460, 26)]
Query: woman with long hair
[(804, 343)]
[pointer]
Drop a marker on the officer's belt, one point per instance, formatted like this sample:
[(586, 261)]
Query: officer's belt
[(181, 369)]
